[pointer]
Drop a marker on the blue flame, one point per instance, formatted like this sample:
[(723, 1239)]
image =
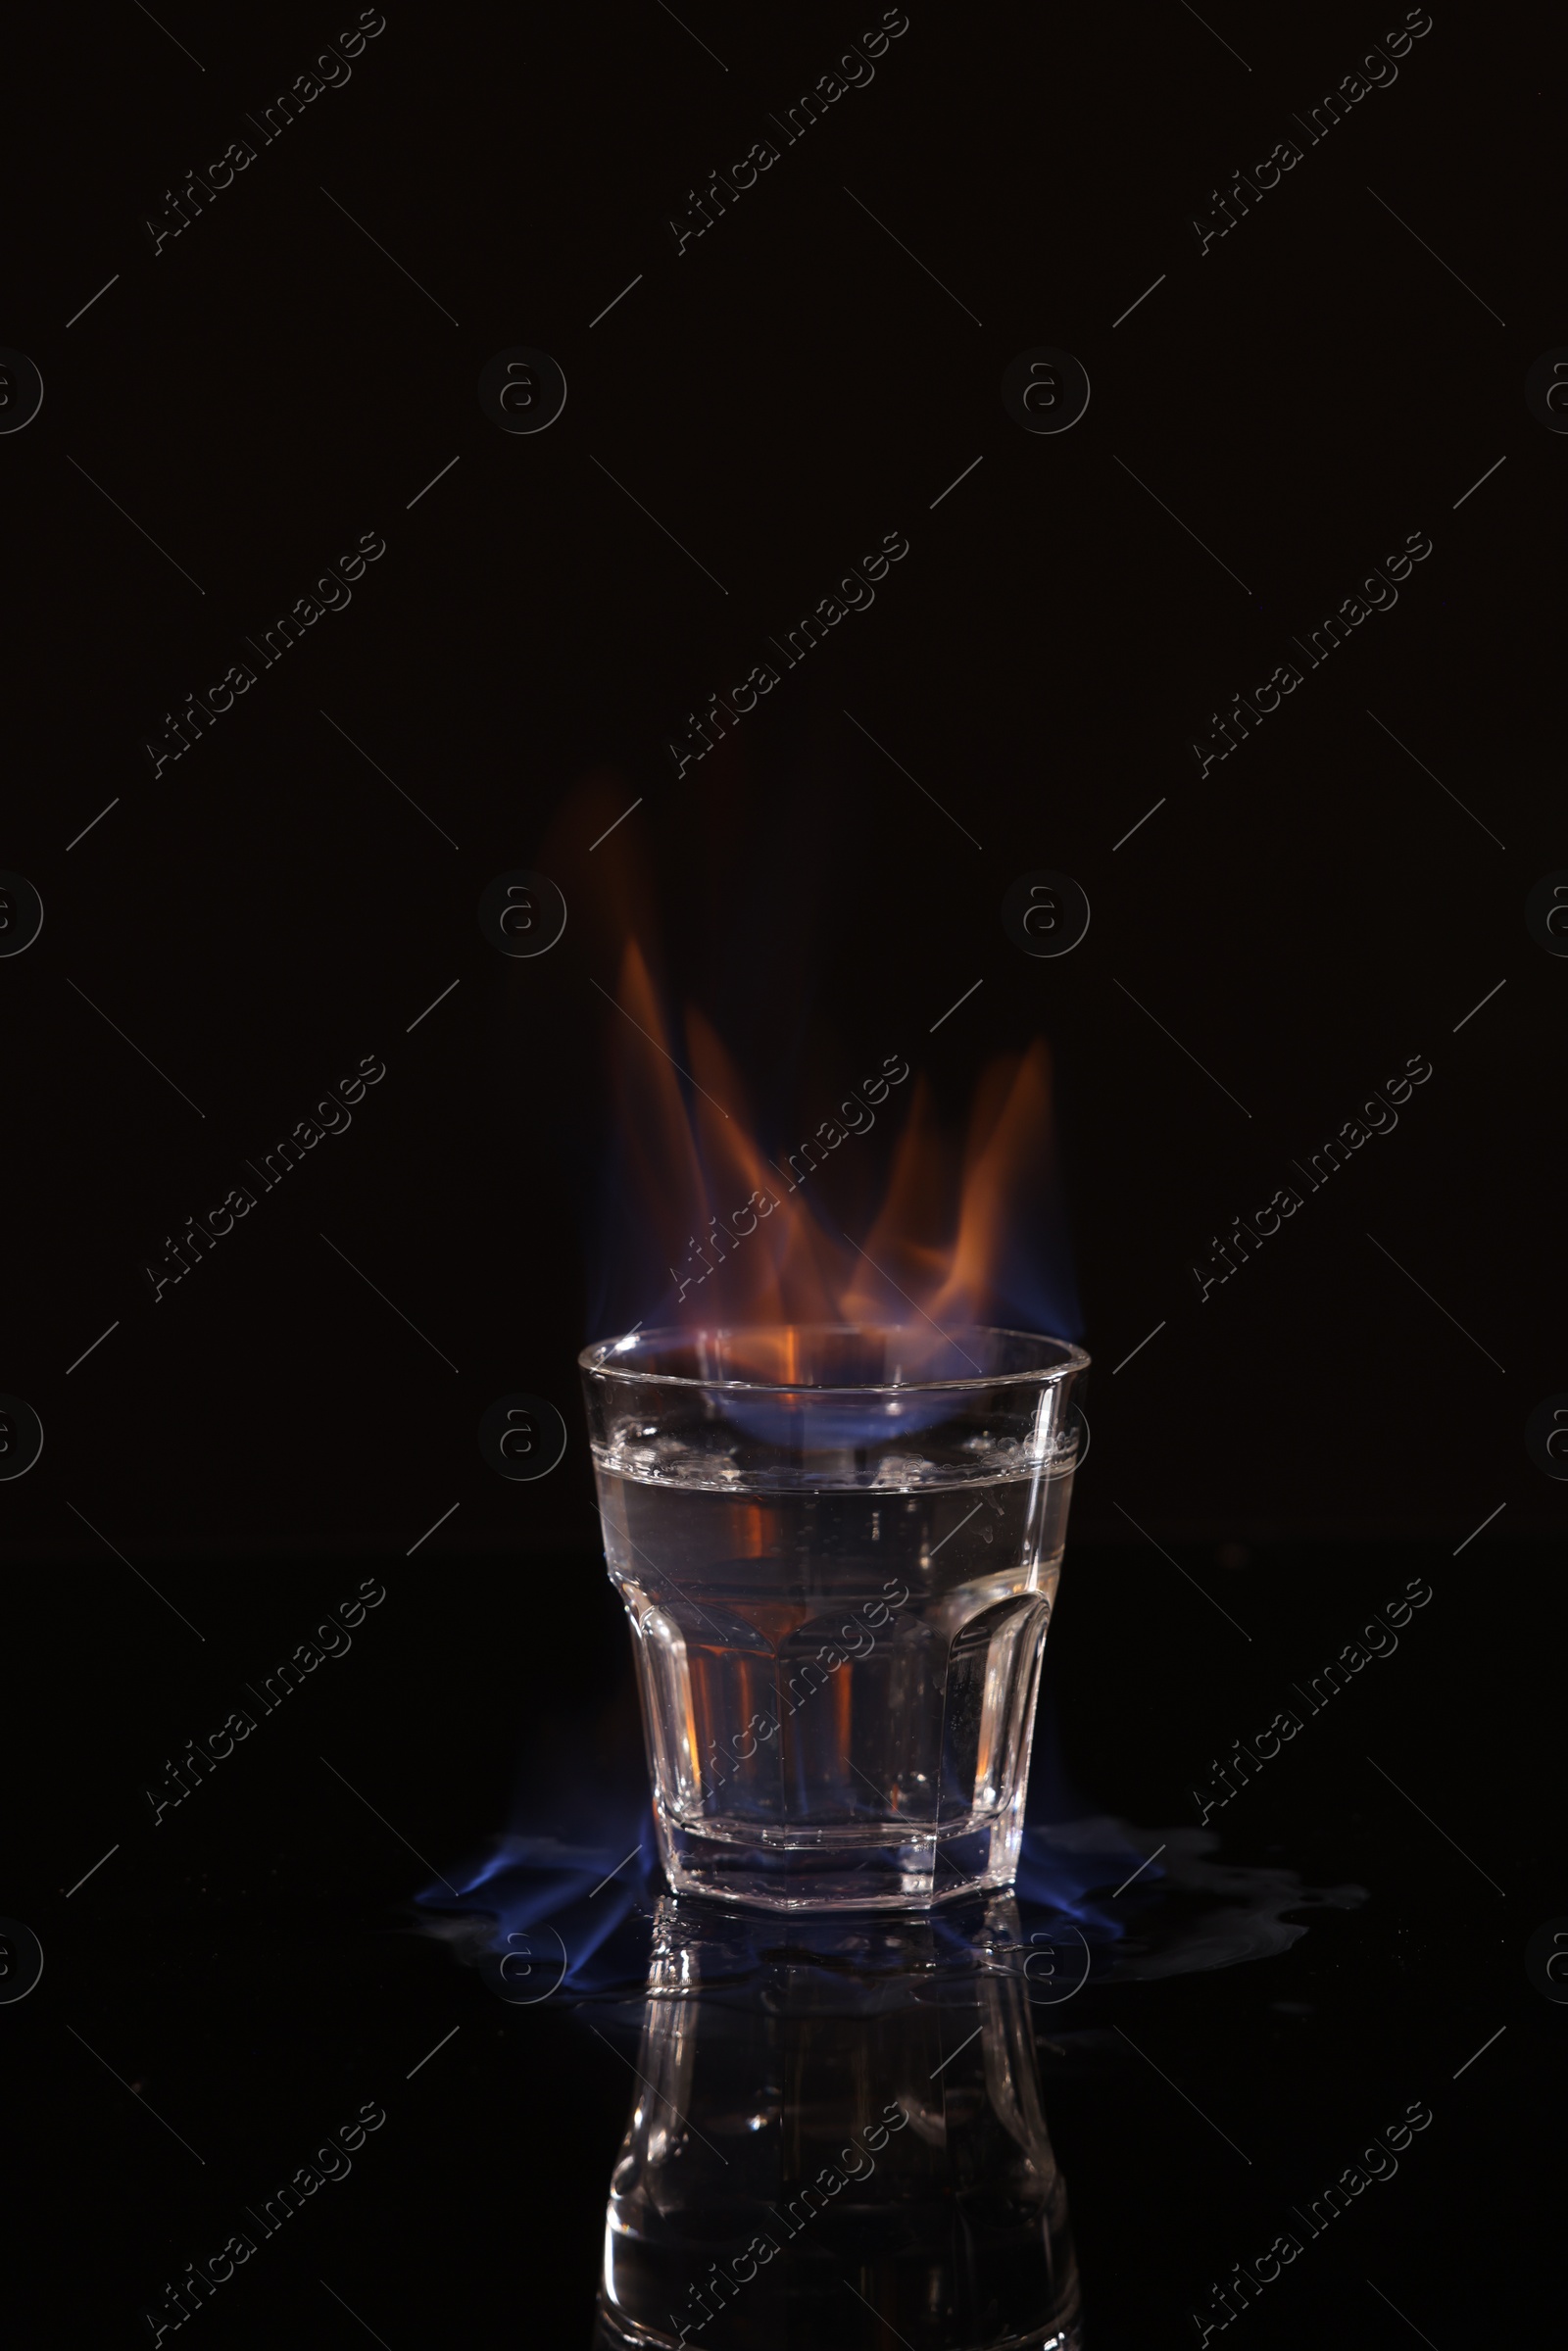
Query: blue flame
[(598, 1898), (1138, 1906)]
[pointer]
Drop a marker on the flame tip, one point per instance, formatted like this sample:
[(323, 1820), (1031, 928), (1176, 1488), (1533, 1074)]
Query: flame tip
[(955, 1219)]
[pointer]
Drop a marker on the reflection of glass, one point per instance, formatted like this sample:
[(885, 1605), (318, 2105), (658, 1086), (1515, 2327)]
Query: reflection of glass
[(845, 2152), (839, 1549)]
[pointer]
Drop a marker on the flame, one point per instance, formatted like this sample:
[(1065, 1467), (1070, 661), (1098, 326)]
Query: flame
[(751, 1241), (870, 1211)]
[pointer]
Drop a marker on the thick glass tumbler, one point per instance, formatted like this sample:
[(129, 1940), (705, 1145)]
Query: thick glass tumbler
[(839, 1548)]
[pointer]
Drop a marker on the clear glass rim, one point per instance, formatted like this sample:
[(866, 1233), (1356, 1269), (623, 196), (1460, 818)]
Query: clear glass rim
[(597, 1361)]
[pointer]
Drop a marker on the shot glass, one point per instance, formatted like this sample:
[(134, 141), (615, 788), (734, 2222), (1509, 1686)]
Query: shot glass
[(838, 1547)]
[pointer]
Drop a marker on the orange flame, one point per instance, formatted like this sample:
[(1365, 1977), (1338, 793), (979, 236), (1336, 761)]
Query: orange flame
[(967, 1230), (753, 1241)]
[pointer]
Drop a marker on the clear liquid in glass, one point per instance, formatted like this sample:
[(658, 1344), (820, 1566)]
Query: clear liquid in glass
[(838, 1683)]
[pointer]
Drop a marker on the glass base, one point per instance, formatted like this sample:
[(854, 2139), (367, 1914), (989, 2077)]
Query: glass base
[(614, 2330), (841, 1869)]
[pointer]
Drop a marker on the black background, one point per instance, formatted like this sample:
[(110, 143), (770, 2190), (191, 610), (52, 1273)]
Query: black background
[(269, 909)]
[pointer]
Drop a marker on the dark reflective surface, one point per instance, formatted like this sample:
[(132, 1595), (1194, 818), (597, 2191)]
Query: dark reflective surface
[(1205, 2033), (837, 2134), (848, 2142)]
